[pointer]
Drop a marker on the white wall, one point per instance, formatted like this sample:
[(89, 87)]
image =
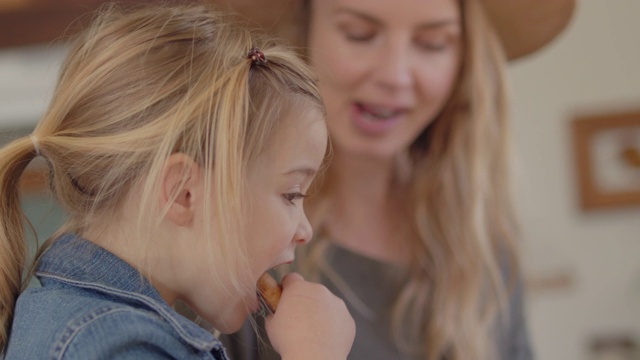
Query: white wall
[(27, 77), (593, 67)]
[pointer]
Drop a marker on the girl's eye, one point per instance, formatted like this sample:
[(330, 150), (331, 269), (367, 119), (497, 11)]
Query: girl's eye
[(291, 197)]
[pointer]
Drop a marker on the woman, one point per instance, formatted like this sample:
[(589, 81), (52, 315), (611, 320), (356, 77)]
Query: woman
[(413, 219)]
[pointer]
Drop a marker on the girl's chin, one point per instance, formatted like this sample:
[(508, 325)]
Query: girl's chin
[(232, 325)]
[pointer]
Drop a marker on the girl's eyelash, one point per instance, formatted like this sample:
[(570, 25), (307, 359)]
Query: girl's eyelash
[(291, 197)]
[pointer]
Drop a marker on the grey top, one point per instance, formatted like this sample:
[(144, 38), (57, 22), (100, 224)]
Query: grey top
[(374, 285)]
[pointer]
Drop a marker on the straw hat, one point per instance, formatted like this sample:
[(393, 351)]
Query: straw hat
[(523, 26)]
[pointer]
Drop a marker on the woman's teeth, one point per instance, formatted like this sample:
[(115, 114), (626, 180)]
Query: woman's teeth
[(379, 113)]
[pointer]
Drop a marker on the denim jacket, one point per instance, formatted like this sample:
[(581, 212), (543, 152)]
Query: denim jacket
[(93, 305)]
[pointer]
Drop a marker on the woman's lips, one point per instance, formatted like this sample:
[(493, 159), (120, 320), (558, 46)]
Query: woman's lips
[(375, 120)]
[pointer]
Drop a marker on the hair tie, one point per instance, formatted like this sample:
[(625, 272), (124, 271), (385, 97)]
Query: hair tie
[(257, 57), (34, 141)]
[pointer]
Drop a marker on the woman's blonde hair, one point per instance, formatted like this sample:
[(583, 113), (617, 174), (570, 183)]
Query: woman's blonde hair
[(462, 227), (139, 85)]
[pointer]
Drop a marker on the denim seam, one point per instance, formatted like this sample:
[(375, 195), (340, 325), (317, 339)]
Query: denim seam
[(76, 326), (202, 345)]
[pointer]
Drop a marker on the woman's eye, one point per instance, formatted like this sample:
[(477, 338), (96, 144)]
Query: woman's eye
[(357, 32), (291, 197), (433, 45), (359, 36)]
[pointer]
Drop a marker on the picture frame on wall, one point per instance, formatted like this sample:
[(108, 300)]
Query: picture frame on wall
[(607, 154)]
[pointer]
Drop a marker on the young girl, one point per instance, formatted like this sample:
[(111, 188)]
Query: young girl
[(181, 147)]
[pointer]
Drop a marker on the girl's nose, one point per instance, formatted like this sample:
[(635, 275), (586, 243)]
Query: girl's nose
[(304, 232)]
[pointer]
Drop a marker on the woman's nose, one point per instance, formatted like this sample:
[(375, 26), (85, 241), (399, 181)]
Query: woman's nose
[(393, 67)]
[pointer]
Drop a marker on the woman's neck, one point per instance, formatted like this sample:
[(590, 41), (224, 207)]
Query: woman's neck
[(367, 207)]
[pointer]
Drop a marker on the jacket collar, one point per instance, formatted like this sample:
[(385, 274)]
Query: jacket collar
[(81, 263)]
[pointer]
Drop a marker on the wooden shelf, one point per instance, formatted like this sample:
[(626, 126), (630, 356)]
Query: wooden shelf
[(27, 22), (42, 21)]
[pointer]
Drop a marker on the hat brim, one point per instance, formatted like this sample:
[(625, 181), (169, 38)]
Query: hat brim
[(525, 26)]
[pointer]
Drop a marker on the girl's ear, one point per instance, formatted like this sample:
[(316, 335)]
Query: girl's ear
[(180, 182)]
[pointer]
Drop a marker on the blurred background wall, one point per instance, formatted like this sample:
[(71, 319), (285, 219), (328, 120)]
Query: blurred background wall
[(582, 267)]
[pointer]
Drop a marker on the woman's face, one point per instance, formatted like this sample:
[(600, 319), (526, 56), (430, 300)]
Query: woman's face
[(386, 69)]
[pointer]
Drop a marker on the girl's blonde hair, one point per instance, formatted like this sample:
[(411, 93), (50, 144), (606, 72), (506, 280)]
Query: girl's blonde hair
[(139, 85), (462, 226)]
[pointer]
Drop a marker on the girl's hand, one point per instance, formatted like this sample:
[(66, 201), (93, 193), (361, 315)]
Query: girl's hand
[(310, 323)]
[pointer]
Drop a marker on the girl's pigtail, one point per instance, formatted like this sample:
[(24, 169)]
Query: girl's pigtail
[(14, 158)]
